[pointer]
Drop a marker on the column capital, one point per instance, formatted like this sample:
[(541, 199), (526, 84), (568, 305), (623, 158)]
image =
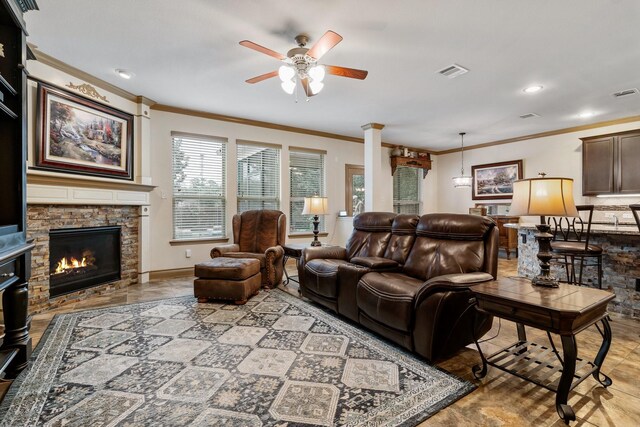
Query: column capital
[(372, 126)]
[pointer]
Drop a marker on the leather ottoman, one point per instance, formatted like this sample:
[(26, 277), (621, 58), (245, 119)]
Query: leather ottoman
[(229, 279)]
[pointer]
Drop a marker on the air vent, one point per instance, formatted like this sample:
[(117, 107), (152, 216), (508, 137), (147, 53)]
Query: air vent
[(453, 70), (626, 92), (529, 115)]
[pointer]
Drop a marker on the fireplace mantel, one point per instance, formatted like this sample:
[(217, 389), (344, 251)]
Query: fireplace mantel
[(48, 188)]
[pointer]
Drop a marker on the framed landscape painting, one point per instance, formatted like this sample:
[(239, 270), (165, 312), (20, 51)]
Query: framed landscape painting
[(77, 135), (495, 180)]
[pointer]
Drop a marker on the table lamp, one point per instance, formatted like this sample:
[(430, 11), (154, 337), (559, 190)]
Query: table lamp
[(315, 206), (544, 197)]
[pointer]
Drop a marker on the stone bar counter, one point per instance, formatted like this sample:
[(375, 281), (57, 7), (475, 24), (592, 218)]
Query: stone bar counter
[(620, 262)]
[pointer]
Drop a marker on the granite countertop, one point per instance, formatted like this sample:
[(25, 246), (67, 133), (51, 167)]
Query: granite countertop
[(595, 228)]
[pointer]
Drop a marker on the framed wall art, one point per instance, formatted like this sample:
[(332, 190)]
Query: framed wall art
[(495, 180), (78, 135)]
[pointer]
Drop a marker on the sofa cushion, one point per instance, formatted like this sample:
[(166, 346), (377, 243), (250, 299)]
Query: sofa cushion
[(321, 276), (403, 234), (448, 244), (375, 263), (388, 298), (259, 230), (227, 268), (371, 234)]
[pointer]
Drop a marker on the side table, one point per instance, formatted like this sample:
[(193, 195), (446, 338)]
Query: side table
[(566, 311)]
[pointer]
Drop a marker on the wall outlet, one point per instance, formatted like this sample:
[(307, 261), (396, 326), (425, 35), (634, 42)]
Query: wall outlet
[(187, 253), (627, 216)]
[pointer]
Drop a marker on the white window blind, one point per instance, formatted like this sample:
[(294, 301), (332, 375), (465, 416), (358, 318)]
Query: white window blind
[(406, 190), (307, 178), (258, 177), (198, 187)]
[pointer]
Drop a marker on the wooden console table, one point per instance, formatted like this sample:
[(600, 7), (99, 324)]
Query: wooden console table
[(565, 311)]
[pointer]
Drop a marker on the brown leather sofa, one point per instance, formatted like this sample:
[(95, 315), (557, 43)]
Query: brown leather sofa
[(407, 277), (258, 234)]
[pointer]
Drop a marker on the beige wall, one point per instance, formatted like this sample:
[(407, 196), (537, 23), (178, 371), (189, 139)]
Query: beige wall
[(163, 254), (558, 155)]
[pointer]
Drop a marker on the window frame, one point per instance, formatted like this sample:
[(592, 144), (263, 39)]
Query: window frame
[(214, 197), (297, 199), (349, 172)]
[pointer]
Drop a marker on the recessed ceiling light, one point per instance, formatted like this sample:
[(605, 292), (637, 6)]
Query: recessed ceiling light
[(532, 89), (124, 73), (586, 114)]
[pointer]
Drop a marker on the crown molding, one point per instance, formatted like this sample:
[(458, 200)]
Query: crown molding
[(543, 134), (269, 125)]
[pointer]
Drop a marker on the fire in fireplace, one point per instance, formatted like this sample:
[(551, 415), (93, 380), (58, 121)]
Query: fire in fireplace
[(83, 257)]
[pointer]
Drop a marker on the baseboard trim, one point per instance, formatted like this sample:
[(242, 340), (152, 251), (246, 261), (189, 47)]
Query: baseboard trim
[(170, 273)]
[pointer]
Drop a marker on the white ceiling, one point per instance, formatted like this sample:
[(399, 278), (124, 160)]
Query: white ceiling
[(186, 54)]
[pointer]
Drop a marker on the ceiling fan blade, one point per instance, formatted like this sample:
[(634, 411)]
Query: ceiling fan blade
[(325, 44), (262, 77), (307, 89), (262, 49), (346, 72)]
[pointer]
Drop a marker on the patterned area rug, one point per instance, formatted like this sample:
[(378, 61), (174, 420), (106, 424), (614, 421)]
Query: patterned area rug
[(276, 361)]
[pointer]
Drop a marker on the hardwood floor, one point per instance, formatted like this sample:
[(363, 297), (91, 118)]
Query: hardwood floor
[(501, 399)]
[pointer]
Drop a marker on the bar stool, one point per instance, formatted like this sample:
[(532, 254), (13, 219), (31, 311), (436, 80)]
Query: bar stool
[(635, 209), (571, 243)]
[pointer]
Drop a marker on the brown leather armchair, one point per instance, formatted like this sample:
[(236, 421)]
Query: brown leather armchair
[(258, 234)]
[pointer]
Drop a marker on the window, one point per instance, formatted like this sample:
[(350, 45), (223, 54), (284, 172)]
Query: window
[(306, 176), (258, 176), (198, 186), (406, 190), (354, 189)]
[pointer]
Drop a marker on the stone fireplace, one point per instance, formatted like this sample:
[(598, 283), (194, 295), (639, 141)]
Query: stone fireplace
[(80, 258), (46, 224)]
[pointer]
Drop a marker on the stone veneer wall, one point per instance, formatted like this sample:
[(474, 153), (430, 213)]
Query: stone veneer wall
[(620, 262), (42, 218)]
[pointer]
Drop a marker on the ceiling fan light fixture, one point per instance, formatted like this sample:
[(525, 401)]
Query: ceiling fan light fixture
[(317, 73), (288, 86), (316, 86), (286, 73)]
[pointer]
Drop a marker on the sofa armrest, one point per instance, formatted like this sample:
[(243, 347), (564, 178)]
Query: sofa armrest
[(220, 250), (318, 252), (274, 265), (450, 282), (444, 316), (375, 263), (348, 277), (323, 252)]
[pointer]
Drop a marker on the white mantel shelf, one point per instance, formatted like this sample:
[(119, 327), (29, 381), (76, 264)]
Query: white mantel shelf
[(48, 188)]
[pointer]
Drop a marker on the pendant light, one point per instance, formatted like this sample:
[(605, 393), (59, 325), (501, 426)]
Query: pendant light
[(462, 180)]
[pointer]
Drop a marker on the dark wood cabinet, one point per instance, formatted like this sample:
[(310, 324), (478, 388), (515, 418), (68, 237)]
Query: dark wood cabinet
[(15, 260), (610, 164), (423, 163), (508, 237)]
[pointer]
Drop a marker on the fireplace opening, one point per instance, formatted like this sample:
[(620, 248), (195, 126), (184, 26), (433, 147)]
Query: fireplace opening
[(81, 258)]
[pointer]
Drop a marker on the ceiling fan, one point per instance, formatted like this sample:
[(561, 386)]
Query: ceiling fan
[(301, 63)]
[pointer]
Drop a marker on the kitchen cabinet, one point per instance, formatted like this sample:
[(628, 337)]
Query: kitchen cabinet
[(610, 164)]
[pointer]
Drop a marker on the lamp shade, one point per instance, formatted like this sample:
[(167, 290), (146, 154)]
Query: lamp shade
[(543, 197), (315, 206)]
